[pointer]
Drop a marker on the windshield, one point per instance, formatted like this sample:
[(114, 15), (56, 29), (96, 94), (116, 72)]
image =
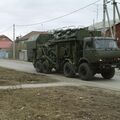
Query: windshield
[(105, 44)]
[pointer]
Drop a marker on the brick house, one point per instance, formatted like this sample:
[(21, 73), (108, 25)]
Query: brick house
[(5, 46), (108, 33)]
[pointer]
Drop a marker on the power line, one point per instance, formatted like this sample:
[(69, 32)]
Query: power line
[(50, 20), (6, 29)]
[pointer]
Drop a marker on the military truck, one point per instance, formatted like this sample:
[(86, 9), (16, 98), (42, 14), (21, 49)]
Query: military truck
[(79, 51)]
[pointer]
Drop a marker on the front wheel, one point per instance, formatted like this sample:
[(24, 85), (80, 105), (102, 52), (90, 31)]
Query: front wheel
[(108, 73), (68, 69), (85, 71)]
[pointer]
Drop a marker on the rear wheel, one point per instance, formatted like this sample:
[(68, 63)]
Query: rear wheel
[(39, 66), (108, 73), (46, 67), (85, 72), (68, 69)]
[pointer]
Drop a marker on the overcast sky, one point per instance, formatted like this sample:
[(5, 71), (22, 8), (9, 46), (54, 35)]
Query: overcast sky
[(34, 11)]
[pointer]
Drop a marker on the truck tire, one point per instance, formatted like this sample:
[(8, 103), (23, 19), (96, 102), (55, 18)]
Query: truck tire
[(108, 73), (85, 72), (68, 70), (39, 66), (46, 67)]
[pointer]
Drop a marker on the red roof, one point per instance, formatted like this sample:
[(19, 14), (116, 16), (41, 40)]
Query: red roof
[(5, 42)]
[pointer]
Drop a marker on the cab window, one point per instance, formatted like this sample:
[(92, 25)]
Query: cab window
[(89, 45)]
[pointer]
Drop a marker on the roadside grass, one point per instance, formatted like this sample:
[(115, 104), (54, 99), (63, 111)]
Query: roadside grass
[(13, 77), (59, 103)]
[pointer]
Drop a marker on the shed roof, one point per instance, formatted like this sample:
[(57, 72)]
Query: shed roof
[(33, 38), (33, 33), (41, 38)]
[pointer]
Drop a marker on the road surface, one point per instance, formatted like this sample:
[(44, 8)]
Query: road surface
[(98, 81)]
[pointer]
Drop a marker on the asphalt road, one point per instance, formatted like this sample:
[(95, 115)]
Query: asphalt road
[(98, 81)]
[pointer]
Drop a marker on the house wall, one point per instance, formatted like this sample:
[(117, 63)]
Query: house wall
[(20, 46), (23, 55), (117, 33), (3, 54), (5, 45)]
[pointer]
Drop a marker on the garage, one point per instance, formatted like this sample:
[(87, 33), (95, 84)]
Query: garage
[(3, 54), (23, 55)]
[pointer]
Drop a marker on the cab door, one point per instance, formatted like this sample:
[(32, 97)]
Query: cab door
[(89, 50)]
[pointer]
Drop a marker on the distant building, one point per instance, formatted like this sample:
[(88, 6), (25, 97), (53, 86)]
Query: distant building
[(99, 26), (21, 46), (5, 45), (117, 26)]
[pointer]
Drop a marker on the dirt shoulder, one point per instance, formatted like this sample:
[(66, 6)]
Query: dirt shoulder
[(60, 103), (12, 77)]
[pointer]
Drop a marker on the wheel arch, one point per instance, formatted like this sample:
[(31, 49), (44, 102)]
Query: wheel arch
[(83, 60), (67, 60)]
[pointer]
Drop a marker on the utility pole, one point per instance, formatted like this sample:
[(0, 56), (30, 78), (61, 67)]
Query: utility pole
[(115, 9), (42, 27), (106, 13), (109, 22), (97, 12), (13, 41), (114, 18), (104, 16), (118, 11)]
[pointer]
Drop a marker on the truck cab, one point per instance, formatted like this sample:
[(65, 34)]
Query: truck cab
[(100, 48), (101, 55)]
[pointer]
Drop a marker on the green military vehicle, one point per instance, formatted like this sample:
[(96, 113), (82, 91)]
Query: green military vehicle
[(74, 51)]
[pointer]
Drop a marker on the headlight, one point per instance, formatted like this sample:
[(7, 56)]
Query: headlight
[(100, 60)]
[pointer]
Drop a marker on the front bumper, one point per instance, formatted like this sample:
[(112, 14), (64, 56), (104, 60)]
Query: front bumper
[(114, 63)]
